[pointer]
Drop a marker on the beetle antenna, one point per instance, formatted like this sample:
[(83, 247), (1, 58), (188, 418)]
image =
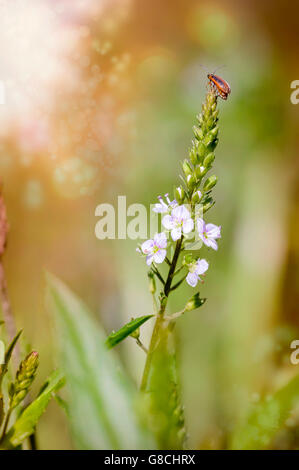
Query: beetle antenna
[(201, 65)]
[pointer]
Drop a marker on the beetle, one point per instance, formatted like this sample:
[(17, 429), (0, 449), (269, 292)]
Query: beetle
[(219, 86)]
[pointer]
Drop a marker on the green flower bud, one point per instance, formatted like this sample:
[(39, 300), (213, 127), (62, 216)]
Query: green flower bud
[(152, 282), (200, 172), (191, 182), (179, 194), (201, 150), (210, 183), (24, 378), (196, 197), (187, 168), (209, 160), (193, 156), (188, 259), (198, 132), (214, 132), (194, 302), (209, 138), (210, 123)]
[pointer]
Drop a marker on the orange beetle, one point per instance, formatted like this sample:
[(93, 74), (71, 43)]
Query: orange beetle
[(219, 86)]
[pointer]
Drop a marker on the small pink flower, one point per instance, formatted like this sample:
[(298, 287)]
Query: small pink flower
[(155, 250), (208, 233), (178, 222), (195, 270)]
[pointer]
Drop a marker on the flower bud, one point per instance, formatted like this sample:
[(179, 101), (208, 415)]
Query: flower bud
[(198, 132), (214, 132), (191, 182), (193, 155), (209, 160), (194, 302), (187, 168), (210, 183), (188, 259), (210, 123), (179, 194), (196, 197), (152, 282), (200, 172), (24, 378), (201, 150)]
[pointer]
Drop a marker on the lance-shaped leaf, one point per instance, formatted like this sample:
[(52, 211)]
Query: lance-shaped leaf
[(101, 397), (4, 368), (267, 418), (118, 336), (26, 423)]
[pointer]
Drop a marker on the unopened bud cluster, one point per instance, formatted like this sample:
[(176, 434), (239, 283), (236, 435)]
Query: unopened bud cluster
[(24, 378), (201, 157)]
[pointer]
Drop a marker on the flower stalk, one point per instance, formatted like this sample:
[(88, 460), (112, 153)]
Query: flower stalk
[(180, 218)]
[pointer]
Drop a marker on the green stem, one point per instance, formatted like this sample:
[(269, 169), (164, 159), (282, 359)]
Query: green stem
[(5, 425), (160, 315)]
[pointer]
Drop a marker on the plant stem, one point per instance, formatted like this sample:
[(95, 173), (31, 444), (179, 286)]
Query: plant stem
[(7, 314), (160, 315), (5, 424), (172, 267), (141, 345), (6, 307)]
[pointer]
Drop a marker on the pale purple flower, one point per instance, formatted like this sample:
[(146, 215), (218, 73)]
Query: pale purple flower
[(209, 233), (178, 222), (195, 270), (155, 249), (162, 207)]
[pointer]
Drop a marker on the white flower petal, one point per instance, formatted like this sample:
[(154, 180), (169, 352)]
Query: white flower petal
[(180, 213), (160, 240), (201, 266), (159, 256), (168, 222), (200, 227), (149, 259), (192, 279), (176, 233), (211, 242), (147, 247), (160, 208), (213, 231), (188, 225)]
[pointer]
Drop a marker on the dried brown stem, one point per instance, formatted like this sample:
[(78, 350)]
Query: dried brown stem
[(5, 302)]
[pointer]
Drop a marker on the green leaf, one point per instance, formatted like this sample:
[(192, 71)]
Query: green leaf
[(118, 336), (26, 423), (267, 418), (102, 400)]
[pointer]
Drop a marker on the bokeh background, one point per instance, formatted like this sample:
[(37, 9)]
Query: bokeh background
[(100, 99)]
